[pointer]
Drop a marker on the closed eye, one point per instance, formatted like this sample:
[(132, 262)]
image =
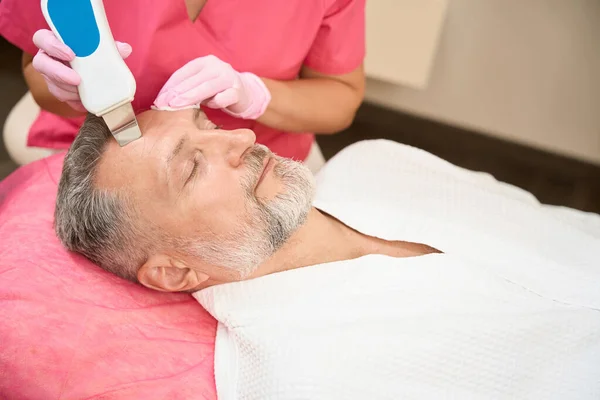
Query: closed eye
[(194, 171)]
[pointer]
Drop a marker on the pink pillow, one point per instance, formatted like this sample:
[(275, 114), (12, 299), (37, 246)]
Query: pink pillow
[(70, 330)]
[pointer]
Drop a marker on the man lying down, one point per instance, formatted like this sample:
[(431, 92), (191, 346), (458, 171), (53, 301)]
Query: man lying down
[(407, 277)]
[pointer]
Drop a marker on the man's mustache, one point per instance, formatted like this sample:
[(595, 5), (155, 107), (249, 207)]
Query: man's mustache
[(253, 159)]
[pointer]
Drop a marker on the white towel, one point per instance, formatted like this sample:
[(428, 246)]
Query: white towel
[(511, 310)]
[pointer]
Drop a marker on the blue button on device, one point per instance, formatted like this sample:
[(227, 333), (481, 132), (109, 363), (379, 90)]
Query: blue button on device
[(76, 24)]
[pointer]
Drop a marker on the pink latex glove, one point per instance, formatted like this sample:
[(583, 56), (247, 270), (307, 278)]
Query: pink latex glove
[(214, 83), (52, 62)]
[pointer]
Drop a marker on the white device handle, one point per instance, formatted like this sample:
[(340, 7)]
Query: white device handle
[(106, 81)]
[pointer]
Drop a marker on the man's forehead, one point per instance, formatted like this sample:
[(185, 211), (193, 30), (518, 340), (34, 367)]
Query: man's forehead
[(118, 164), (121, 165), (152, 119), (142, 159)]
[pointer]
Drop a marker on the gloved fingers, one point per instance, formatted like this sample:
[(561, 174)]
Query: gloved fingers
[(168, 91), (194, 68), (190, 85), (76, 105), (160, 101), (224, 99), (46, 40), (189, 70), (64, 86), (62, 94), (200, 93), (125, 49), (55, 70), (206, 75)]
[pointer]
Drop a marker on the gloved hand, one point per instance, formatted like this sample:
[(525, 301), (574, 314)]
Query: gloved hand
[(214, 83), (51, 61)]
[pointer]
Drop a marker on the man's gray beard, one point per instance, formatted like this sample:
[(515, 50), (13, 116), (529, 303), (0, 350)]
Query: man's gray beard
[(270, 223)]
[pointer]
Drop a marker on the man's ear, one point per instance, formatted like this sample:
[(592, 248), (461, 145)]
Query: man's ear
[(164, 273)]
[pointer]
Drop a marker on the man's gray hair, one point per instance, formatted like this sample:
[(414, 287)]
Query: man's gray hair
[(97, 223)]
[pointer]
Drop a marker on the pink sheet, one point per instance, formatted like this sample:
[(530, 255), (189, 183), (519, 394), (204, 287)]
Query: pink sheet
[(69, 330)]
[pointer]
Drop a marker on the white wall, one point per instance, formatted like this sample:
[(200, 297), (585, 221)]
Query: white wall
[(523, 70)]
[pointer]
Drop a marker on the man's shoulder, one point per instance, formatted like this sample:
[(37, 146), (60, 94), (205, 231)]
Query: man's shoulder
[(372, 145), (380, 154), (371, 148), (364, 164), (392, 162)]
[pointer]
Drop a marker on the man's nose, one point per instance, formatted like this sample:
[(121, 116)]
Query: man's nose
[(239, 141)]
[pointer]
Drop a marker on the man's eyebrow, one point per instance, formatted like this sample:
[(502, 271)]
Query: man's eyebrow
[(176, 150), (196, 114)]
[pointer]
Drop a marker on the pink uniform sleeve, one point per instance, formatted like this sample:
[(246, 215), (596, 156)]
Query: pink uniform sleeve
[(339, 46), (19, 19)]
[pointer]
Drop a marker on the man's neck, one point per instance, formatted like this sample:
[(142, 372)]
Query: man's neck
[(321, 239)]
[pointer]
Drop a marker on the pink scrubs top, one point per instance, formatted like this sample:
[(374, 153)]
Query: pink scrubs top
[(271, 38)]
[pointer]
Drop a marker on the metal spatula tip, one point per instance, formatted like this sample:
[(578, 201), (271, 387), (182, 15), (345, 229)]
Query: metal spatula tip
[(123, 124)]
